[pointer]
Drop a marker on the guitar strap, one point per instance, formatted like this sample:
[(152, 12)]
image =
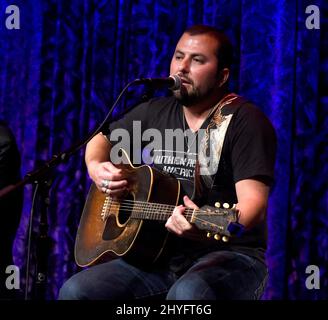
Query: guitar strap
[(211, 146)]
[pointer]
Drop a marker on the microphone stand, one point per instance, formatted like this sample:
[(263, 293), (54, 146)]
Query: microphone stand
[(41, 178), (43, 241)]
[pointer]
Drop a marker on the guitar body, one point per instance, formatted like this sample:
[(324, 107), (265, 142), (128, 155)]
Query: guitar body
[(108, 231)]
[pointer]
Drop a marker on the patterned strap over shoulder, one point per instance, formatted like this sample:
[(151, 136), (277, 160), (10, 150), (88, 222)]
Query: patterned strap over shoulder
[(210, 153)]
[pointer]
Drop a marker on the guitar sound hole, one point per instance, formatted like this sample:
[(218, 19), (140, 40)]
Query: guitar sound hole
[(125, 209)]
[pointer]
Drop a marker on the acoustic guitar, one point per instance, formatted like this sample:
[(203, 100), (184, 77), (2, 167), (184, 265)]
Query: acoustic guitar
[(134, 226)]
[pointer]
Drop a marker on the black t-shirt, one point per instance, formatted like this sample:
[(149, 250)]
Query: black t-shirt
[(248, 153)]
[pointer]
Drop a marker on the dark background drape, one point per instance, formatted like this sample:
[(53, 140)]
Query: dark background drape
[(62, 70)]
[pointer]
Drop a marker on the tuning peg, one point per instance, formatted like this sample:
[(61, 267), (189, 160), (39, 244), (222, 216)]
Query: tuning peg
[(217, 237), (209, 235), (234, 206), (225, 239), (217, 204), (226, 205)]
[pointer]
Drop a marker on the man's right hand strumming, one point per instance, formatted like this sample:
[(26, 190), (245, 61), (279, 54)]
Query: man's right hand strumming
[(108, 178)]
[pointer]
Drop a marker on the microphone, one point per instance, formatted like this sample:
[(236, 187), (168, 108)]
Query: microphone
[(172, 82)]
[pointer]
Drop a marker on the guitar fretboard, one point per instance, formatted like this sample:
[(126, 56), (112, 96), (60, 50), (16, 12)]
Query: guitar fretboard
[(144, 210), (157, 211)]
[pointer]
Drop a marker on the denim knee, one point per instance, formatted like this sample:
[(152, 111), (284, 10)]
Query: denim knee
[(71, 290), (191, 287)]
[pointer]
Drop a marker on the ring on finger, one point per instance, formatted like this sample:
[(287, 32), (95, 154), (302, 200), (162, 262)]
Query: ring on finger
[(105, 183)]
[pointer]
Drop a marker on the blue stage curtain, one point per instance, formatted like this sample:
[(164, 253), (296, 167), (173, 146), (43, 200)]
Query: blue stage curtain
[(65, 66)]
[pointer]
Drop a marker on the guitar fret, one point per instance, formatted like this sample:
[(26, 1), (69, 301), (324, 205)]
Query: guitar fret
[(147, 212), (154, 210)]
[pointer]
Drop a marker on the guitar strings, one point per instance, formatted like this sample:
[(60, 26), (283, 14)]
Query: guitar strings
[(159, 211), (188, 211), (168, 206), (152, 207), (146, 210), (162, 209), (166, 214)]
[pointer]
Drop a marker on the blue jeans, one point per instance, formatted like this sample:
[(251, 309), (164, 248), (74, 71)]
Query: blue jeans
[(215, 276)]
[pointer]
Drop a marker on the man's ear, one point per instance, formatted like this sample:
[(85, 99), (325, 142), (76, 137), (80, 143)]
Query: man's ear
[(224, 76)]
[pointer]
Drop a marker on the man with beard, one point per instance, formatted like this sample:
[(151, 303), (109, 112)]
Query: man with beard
[(227, 154)]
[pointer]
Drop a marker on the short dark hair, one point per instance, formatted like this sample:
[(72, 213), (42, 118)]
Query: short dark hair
[(225, 48)]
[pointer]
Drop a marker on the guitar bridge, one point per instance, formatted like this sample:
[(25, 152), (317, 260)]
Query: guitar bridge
[(105, 209)]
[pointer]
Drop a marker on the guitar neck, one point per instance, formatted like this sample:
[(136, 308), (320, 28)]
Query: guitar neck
[(206, 218), (157, 211), (150, 211)]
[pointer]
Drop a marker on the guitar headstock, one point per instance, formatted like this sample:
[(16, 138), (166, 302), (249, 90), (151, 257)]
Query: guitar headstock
[(220, 222)]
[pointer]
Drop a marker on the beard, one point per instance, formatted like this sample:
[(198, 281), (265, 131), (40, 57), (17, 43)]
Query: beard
[(193, 96)]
